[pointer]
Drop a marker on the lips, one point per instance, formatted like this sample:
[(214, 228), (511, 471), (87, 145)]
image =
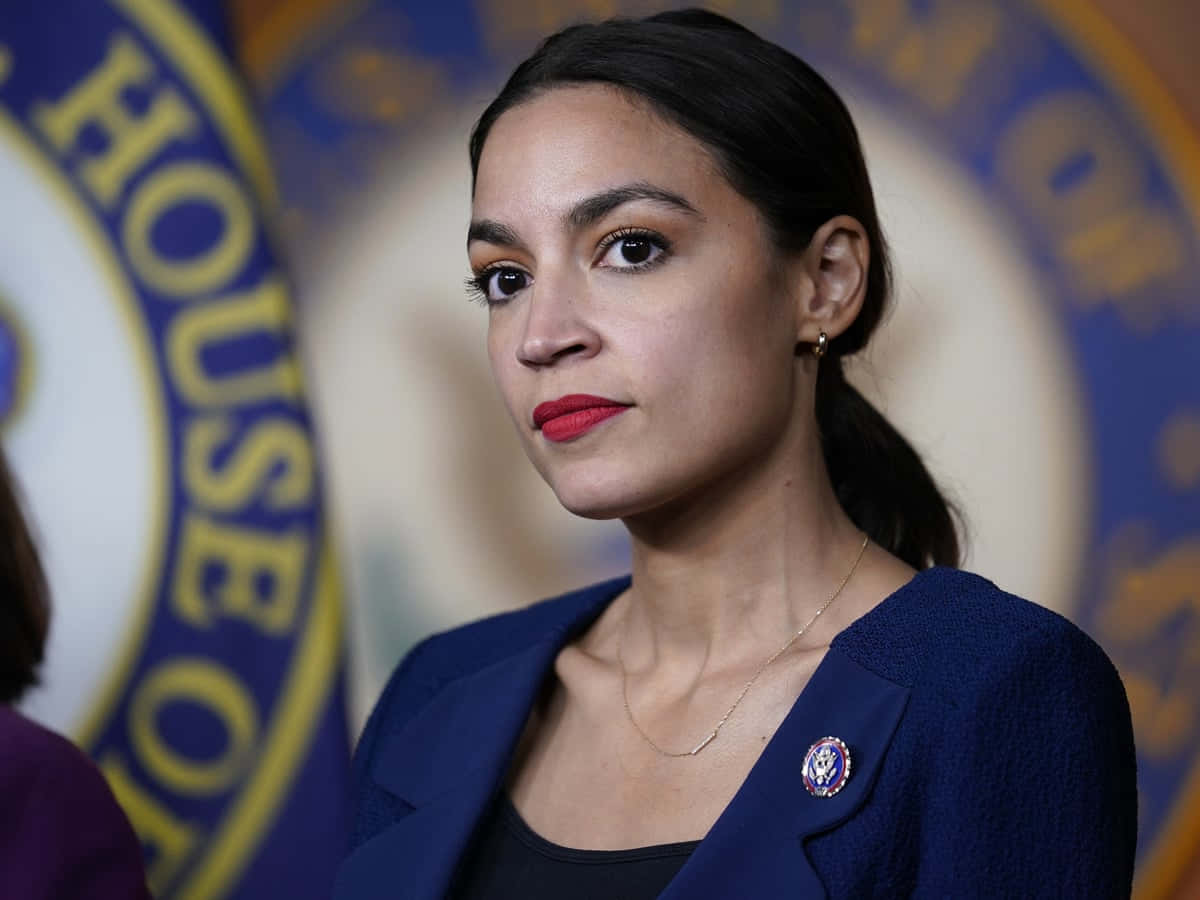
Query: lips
[(570, 416)]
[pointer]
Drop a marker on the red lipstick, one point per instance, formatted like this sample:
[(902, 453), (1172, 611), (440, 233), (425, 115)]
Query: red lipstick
[(570, 416)]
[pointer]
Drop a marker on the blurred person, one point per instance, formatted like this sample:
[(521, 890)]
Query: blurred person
[(62, 834), (795, 693)]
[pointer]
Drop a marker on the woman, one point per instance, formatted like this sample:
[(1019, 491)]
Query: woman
[(62, 835), (674, 235)]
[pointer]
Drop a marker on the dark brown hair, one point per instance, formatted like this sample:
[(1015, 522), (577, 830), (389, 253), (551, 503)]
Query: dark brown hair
[(783, 139), (24, 597)]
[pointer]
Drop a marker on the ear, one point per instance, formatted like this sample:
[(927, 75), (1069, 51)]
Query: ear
[(835, 267)]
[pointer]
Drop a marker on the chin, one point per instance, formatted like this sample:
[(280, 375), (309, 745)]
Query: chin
[(595, 504), (610, 497), (614, 494), (616, 485)]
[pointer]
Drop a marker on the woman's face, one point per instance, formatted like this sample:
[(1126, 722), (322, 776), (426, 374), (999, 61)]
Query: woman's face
[(641, 326)]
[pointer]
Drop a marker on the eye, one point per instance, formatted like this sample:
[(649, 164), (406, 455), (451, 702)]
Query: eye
[(632, 248), (496, 284)]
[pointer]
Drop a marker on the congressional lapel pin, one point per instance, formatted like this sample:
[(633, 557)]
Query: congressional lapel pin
[(826, 767)]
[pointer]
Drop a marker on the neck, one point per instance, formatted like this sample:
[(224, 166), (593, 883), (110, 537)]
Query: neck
[(739, 568)]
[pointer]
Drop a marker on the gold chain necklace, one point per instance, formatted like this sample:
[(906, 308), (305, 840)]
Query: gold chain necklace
[(712, 735)]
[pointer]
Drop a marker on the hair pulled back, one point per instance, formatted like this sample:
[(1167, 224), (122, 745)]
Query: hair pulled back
[(784, 140)]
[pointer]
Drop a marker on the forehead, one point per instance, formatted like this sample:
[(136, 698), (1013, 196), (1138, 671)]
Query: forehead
[(571, 141)]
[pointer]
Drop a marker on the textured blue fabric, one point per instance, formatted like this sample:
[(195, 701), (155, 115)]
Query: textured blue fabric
[(992, 746)]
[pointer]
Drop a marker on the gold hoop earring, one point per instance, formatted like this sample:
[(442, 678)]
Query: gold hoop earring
[(821, 345)]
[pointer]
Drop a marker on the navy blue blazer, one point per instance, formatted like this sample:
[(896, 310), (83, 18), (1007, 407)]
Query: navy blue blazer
[(990, 738)]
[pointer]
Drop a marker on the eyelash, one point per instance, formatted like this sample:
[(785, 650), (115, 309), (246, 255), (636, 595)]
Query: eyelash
[(632, 231), (476, 284)]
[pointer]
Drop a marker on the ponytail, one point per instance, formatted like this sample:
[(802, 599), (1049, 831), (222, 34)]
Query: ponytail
[(878, 477)]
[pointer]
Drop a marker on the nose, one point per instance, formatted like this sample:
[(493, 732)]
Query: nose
[(555, 327)]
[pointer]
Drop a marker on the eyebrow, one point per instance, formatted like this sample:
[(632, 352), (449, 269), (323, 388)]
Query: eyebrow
[(593, 209), (492, 232), (586, 212)]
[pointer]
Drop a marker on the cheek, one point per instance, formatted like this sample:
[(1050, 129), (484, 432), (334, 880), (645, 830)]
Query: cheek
[(494, 353), (727, 335), (500, 359), (733, 363)]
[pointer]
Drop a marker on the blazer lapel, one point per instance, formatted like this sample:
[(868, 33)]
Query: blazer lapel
[(450, 758), (447, 763), (756, 847)]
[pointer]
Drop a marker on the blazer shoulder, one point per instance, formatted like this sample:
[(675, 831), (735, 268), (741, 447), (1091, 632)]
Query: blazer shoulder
[(1010, 633), (1014, 693), (951, 625)]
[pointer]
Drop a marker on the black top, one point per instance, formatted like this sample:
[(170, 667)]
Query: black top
[(509, 860)]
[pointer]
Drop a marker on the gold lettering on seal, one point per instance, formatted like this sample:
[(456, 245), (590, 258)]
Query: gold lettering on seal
[(1150, 619), (172, 186), (1179, 451), (169, 838), (1068, 161), (368, 85), (932, 55), (516, 23), (99, 100), (273, 460), (261, 575), (198, 682), (261, 309), (509, 24), (750, 12)]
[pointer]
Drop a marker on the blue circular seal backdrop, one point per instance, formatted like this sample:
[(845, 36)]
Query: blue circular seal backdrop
[(222, 692), (1068, 138)]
